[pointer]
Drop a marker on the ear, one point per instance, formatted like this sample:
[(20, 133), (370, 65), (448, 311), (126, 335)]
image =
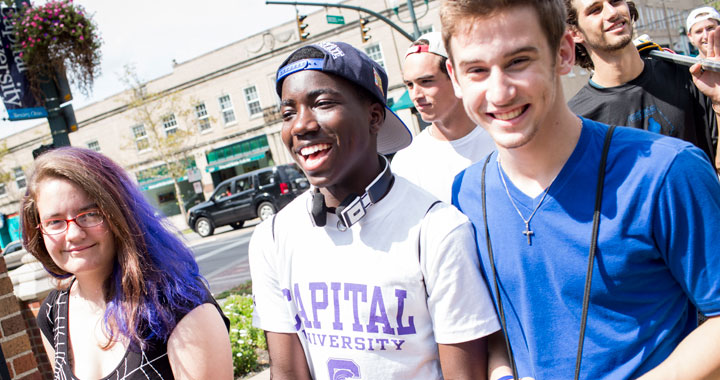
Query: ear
[(577, 36), (565, 54), (377, 117), (451, 74)]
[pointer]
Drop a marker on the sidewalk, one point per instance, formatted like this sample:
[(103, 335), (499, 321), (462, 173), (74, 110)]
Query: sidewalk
[(264, 375)]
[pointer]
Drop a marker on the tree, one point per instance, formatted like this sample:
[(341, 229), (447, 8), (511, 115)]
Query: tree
[(159, 113)]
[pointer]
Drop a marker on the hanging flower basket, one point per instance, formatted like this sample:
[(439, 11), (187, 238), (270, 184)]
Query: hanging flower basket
[(58, 36)]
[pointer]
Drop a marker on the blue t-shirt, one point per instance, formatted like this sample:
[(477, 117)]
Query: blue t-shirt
[(657, 254)]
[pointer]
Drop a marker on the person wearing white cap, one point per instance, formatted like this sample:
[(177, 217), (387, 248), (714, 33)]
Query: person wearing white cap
[(627, 89), (366, 275), (700, 23), (452, 142)]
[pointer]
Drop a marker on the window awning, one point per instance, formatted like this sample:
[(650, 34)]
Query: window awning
[(403, 102)]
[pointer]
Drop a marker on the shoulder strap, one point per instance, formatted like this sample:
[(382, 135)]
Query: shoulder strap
[(419, 250), (591, 257), (272, 227), (593, 247)]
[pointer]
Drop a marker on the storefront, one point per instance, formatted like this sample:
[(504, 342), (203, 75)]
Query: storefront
[(9, 228), (158, 188), (238, 158)]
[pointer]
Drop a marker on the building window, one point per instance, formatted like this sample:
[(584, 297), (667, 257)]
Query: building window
[(169, 124), (375, 53), (202, 116), (3, 190), (19, 177), (94, 145), (226, 108), (253, 101), (141, 137)]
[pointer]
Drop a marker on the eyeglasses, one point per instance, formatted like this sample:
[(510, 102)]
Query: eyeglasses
[(84, 220)]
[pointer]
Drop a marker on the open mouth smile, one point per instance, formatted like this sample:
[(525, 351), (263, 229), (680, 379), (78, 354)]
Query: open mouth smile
[(512, 114), (615, 26), (313, 154)]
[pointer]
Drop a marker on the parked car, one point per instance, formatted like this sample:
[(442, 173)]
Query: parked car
[(13, 254), (260, 193)]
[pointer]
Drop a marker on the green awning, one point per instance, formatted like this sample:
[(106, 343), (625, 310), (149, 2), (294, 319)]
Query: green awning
[(403, 102), (235, 162)]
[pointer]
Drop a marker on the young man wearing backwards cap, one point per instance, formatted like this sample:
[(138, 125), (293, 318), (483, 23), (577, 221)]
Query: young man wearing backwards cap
[(365, 275), (452, 142), (700, 22), (627, 89)]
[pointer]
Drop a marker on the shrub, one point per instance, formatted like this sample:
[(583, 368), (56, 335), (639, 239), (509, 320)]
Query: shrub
[(246, 340)]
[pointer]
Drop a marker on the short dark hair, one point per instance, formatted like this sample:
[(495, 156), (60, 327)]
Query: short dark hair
[(309, 52), (551, 16), (443, 60), (582, 57)]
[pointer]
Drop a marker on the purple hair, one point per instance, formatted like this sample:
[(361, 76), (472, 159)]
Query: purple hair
[(155, 276)]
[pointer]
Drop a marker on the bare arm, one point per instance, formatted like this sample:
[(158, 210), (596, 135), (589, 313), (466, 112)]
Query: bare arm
[(498, 362), (49, 350), (696, 357), (199, 347), (467, 360), (287, 358)]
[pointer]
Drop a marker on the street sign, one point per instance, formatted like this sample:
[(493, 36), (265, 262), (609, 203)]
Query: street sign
[(332, 19), (194, 175), (197, 186)]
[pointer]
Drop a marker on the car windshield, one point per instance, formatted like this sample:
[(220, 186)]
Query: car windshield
[(12, 247)]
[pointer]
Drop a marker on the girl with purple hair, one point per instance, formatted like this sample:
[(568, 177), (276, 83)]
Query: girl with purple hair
[(131, 302)]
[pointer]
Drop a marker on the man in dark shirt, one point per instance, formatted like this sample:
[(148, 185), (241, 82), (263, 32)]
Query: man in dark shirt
[(627, 89)]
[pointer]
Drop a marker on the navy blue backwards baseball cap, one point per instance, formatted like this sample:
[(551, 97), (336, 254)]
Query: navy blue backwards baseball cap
[(343, 60)]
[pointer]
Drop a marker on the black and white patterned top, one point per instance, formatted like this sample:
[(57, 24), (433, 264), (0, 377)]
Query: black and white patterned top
[(137, 364)]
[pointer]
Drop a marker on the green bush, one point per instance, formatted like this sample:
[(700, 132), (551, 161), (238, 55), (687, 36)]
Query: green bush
[(245, 339)]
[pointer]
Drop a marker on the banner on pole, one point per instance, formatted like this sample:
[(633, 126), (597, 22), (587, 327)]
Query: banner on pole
[(14, 85)]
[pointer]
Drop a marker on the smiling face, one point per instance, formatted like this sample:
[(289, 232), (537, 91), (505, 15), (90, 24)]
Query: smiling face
[(79, 251), (430, 89), (603, 25), (330, 130), (698, 34), (508, 76)]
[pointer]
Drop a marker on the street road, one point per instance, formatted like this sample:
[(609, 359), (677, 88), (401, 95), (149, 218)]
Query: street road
[(223, 257)]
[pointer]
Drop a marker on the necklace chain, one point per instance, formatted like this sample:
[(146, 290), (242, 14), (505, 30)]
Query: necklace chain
[(527, 232)]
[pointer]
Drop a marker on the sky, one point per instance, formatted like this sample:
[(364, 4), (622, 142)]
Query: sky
[(150, 34)]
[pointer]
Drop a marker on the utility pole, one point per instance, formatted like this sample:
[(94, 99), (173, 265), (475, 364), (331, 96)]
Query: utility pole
[(59, 118), (667, 25), (411, 9)]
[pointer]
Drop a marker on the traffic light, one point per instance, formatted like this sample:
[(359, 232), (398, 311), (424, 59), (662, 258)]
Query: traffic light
[(364, 29), (69, 115), (301, 27)]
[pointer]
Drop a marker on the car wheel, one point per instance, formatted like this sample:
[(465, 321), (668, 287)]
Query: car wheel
[(204, 227), (237, 225), (265, 210)]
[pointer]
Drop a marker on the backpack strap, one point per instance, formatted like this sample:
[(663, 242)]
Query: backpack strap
[(419, 250)]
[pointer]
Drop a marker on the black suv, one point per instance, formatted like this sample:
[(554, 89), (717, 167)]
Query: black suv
[(259, 193)]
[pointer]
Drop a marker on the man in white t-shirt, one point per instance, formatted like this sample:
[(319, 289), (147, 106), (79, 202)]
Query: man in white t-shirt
[(452, 142), (700, 22), (371, 286)]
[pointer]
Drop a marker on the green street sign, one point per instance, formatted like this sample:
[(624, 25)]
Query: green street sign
[(331, 19)]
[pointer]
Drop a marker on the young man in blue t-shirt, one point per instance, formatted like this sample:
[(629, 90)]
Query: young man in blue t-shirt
[(656, 259)]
